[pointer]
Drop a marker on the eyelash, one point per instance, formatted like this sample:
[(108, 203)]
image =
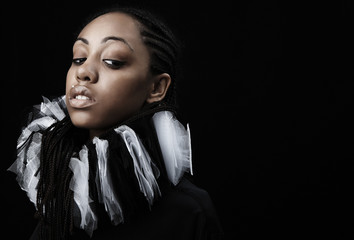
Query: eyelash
[(78, 61), (114, 64)]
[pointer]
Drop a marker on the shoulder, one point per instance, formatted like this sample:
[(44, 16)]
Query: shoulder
[(198, 196), (195, 207)]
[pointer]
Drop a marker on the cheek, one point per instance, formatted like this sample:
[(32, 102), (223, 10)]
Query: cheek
[(124, 97), (118, 98)]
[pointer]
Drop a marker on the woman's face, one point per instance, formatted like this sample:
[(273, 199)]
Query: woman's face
[(109, 79)]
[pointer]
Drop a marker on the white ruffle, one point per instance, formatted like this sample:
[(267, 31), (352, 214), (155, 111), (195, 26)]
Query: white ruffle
[(106, 194), (52, 109), (144, 168), (175, 144), (26, 167), (79, 185), (29, 147)]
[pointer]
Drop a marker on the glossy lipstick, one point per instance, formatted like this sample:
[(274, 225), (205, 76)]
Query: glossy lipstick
[(80, 97)]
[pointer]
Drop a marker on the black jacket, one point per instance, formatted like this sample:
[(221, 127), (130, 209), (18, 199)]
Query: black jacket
[(184, 212)]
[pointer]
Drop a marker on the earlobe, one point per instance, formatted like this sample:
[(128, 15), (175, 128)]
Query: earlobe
[(159, 89)]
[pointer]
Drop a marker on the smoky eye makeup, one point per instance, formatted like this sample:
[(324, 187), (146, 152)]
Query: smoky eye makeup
[(113, 64)]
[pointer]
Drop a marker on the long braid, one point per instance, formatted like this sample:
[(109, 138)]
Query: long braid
[(54, 197)]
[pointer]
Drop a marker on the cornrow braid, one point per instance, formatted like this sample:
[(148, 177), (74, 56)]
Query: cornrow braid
[(163, 46)]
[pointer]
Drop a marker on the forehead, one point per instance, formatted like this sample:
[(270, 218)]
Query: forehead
[(112, 24)]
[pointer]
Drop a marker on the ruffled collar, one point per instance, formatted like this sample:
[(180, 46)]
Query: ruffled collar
[(173, 138)]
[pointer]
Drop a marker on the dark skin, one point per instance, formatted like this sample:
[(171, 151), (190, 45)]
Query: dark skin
[(110, 79)]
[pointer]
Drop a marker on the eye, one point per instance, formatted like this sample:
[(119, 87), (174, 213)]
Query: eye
[(114, 64), (78, 61)]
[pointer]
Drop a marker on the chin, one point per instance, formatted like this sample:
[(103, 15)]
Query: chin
[(83, 120)]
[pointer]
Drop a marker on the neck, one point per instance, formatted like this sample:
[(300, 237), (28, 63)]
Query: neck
[(96, 132)]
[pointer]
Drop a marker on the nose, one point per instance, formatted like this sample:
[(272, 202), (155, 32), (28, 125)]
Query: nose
[(87, 72)]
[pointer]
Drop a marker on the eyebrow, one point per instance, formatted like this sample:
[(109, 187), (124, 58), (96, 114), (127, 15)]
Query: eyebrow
[(84, 40)]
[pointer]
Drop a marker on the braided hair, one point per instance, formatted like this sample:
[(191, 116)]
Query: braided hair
[(63, 140), (163, 46)]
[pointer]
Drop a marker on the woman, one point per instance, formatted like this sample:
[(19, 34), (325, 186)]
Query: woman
[(109, 160)]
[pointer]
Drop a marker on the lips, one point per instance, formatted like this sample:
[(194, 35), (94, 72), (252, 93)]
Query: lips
[(80, 97)]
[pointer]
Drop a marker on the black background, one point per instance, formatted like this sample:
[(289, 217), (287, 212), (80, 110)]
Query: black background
[(267, 91)]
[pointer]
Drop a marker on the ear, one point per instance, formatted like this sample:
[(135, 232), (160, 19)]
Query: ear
[(159, 88)]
